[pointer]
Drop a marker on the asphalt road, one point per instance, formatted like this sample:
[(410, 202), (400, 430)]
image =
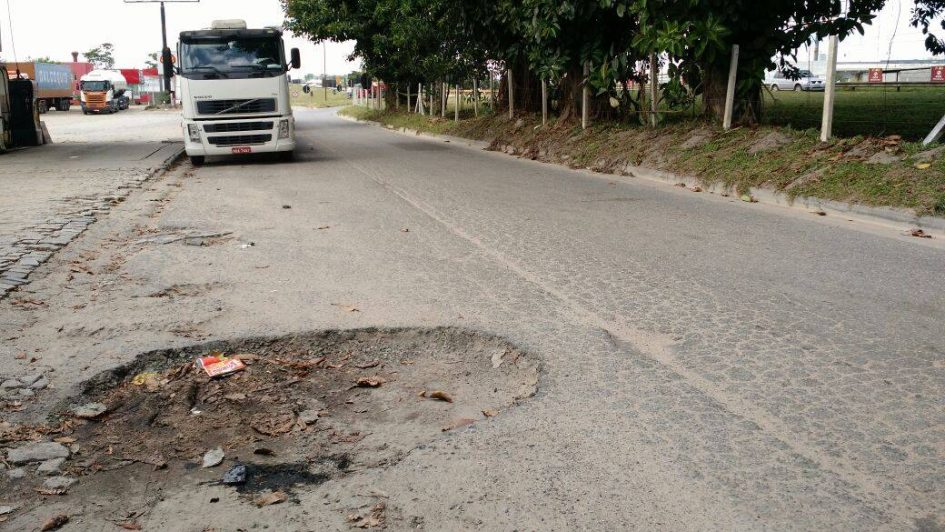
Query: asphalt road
[(706, 363)]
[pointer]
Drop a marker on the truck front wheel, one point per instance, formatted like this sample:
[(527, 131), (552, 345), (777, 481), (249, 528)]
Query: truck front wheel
[(197, 160)]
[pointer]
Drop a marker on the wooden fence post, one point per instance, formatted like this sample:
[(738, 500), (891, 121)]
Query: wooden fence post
[(654, 89), (544, 101), (730, 92), (585, 96), (511, 95), (456, 111), (476, 97), (826, 125)]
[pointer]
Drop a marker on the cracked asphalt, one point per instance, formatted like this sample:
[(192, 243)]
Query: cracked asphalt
[(706, 363)]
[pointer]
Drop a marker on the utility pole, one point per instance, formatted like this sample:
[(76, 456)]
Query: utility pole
[(325, 69), (165, 52), (585, 95)]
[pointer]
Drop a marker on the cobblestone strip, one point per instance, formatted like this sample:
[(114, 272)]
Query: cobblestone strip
[(22, 253)]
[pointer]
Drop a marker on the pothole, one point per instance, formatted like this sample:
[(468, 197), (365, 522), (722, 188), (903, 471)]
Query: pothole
[(306, 409)]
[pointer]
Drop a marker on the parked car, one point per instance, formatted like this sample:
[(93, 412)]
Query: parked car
[(805, 81)]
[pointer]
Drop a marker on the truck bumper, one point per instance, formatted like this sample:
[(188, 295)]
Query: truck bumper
[(227, 137)]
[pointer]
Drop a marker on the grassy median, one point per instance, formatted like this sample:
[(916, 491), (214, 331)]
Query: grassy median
[(866, 170)]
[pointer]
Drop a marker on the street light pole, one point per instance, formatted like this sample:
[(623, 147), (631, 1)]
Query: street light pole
[(325, 68), (165, 52)]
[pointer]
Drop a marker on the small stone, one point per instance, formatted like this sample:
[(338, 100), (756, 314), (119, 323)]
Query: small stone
[(4, 510), (235, 476), (11, 384), (213, 457), (40, 383), (59, 483), (30, 379), (50, 467), (37, 452), (16, 474), (308, 417), (89, 411), (26, 392)]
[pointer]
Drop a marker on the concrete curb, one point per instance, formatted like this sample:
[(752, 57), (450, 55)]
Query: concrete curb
[(892, 217)]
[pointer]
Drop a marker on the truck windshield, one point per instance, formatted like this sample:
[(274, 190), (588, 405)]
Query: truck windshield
[(94, 85), (232, 58)]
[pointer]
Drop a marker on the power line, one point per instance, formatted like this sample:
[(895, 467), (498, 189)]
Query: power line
[(12, 41)]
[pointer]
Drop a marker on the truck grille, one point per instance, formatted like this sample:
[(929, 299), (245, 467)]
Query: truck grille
[(236, 127), (225, 107), (239, 140)]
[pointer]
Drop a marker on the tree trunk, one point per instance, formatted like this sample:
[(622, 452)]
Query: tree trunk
[(527, 91), (747, 109)]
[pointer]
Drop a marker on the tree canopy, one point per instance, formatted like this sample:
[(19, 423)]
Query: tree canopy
[(420, 41), (101, 56)]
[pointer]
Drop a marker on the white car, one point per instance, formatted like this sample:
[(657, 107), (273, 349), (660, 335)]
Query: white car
[(806, 81)]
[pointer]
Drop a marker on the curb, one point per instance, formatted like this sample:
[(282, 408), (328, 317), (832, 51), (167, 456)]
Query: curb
[(891, 217)]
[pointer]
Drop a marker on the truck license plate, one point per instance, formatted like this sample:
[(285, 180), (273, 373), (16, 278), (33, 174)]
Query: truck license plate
[(242, 149)]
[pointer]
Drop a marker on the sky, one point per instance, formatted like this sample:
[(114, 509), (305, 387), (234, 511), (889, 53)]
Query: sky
[(135, 30)]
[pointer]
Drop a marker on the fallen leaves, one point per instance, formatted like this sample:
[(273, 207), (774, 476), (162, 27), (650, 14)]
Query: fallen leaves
[(269, 499), (459, 423), (439, 395), (272, 425), (375, 519), (918, 233), (130, 525), (371, 382), (55, 522), (490, 413)]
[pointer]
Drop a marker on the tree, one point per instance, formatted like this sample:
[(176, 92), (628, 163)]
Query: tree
[(101, 56), (152, 61), (44, 59), (923, 16)]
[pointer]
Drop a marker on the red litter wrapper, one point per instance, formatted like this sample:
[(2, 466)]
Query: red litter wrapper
[(218, 365)]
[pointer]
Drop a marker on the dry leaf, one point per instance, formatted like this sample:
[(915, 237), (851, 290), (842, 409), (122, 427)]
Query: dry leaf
[(461, 422), (269, 499), (64, 439), (372, 364), (923, 166), (440, 395), (490, 413), (44, 491), (918, 233), (819, 213), (322, 228), (130, 525), (405, 230), (696, 189), (55, 523), (272, 425), (371, 382)]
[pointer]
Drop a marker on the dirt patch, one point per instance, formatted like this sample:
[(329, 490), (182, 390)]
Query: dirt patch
[(772, 141), (305, 410)]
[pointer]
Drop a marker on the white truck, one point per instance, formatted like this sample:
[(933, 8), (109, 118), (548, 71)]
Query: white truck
[(103, 91), (234, 91)]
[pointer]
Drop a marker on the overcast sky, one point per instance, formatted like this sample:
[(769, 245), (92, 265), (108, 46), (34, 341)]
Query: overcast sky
[(135, 29), (56, 27)]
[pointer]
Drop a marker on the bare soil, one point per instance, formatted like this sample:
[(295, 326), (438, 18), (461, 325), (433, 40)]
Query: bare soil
[(306, 409)]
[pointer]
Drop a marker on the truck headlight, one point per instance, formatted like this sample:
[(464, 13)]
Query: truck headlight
[(283, 129), (194, 131)]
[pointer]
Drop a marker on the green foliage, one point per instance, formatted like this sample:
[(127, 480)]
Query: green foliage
[(421, 41), (152, 61), (101, 56)]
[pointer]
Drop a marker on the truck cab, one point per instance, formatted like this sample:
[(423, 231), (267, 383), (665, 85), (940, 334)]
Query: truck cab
[(234, 91), (103, 91)]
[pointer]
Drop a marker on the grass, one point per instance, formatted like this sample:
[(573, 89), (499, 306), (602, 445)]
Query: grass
[(799, 166), (911, 112), (316, 99)]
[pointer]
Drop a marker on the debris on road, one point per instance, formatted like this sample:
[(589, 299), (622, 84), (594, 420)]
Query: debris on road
[(346, 308), (89, 410), (59, 483), (37, 452), (439, 395), (371, 382), (367, 365), (218, 365), (236, 476), (459, 423), (374, 519), (918, 233), (213, 457), (269, 499), (497, 358), (286, 206), (490, 413), (54, 523)]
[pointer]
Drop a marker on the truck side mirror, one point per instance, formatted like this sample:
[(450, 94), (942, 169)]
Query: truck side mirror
[(296, 59)]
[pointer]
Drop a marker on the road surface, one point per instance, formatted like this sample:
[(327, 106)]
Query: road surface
[(706, 363)]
